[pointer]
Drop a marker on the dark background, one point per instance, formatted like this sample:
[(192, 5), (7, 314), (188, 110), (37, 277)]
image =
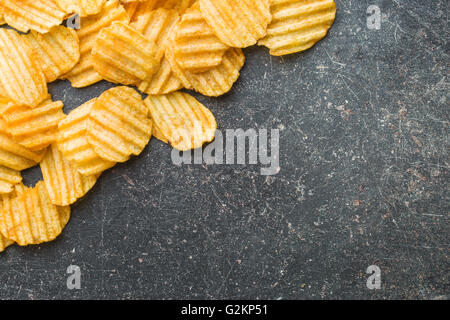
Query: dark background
[(363, 119)]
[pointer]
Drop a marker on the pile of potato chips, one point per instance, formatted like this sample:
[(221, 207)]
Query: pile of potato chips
[(158, 46)]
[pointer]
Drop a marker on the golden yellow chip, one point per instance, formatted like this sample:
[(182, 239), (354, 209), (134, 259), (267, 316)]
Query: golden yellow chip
[(162, 82), (130, 8), (8, 179), (72, 142), (34, 128), (13, 155), (196, 47), (156, 26), (138, 8), (56, 52), (2, 20), (214, 82), (83, 74), (4, 243), (82, 7), (22, 80), (183, 5), (38, 15), (156, 132), (63, 182), (5, 103), (298, 24), (182, 120), (64, 215), (123, 55), (237, 23), (30, 217), (119, 125)]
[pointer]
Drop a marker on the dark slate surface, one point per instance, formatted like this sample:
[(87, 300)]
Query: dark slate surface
[(363, 119)]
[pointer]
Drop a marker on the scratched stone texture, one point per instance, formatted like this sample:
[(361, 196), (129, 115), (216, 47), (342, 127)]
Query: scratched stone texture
[(364, 140)]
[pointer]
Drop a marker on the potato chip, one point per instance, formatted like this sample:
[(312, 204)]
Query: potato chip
[(34, 128), (298, 24), (8, 179), (5, 103), (82, 7), (2, 20), (30, 217), (38, 15), (156, 26), (136, 9), (13, 155), (21, 79), (64, 215), (83, 74), (183, 5), (123, 55), (214, 82), (197, 49), (4, 243), (156, 132), (162, 82), (130, 8), (56, 52), (237, 23), (119, 125), (63, 182), (72, 142), (182, 120)]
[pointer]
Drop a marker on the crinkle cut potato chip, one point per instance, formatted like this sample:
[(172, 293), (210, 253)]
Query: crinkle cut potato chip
[(156, 26), (163, 81), (156, 132), (72, 142), (56, 52), (137, 8), (38, 15), (183, 5), (21, 79), (4, 243), (130, 8), (237, 23), (82, 7), (119, 125), (83, 74), (8, 179), (35, 128), (214, 82), (30, 217), (197, 49), (298, 25), (14, 155), (123, 55), (182, 120), (63, 182), (5, 103)]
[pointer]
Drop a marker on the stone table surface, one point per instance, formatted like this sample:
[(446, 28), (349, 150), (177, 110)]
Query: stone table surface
[(363, 119)]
